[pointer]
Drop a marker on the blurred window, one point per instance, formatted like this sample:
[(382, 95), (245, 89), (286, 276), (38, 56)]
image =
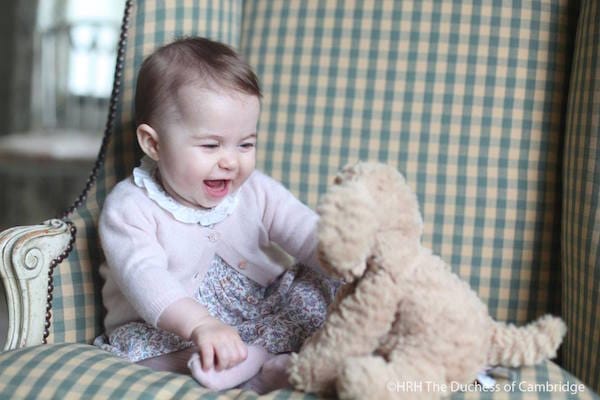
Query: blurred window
[(75, 51)]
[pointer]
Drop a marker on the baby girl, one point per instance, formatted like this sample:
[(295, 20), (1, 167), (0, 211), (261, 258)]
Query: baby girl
[(195, 276)]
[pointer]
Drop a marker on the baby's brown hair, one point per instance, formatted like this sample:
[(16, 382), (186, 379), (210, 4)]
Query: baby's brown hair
[(189, 60)]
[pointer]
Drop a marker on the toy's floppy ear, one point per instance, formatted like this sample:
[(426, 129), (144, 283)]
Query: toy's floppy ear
[(347, 228)]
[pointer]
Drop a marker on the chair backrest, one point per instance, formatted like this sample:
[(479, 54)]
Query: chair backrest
[(466, 98), (580, 244)]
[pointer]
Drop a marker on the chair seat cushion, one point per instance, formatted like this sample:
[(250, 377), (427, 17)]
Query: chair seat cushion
[(64, 371), (81, 371)]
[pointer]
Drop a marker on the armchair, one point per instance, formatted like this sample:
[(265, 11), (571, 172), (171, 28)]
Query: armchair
[(489, 109)]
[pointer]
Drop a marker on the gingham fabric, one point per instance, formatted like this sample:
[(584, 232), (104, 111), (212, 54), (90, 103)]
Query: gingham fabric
[(465, 97), (581, 203), (78, 371), (85, 372)]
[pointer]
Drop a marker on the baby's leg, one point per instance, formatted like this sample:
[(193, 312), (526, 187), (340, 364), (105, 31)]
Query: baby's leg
[(284, 331), (172, 362), (229, 378), (272, 376)]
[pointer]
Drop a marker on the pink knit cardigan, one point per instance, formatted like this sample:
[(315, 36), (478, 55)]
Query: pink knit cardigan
[(153, 260)]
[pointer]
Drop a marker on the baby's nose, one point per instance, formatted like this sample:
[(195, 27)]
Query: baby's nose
[(228, 160)]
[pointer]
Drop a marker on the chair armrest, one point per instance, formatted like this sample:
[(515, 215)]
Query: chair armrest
[(28, 255)]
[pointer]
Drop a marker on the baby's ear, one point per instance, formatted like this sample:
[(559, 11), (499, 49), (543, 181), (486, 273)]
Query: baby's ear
[(148, 140)]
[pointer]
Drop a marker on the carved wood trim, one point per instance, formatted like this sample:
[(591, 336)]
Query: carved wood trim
[(27, 255)]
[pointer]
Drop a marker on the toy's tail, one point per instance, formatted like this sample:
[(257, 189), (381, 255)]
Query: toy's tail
[(513, 346)]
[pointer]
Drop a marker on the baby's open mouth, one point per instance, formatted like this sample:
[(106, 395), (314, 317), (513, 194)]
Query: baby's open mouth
[(217, 187)]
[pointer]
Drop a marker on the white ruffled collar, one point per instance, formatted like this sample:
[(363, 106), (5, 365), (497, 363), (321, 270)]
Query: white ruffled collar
[(144, 177)]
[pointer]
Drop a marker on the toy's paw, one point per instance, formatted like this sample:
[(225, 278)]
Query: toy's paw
[(362, 377), (310, 374)]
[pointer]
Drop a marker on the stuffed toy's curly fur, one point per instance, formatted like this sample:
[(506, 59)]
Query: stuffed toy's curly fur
[(403, 315)]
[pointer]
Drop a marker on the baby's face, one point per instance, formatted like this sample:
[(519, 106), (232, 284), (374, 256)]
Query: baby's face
[(209, 150)]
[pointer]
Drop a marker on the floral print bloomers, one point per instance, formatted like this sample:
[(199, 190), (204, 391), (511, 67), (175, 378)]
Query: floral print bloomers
[(278, 317)]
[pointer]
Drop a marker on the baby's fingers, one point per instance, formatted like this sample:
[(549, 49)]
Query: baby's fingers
[(242, 352), (223, 358), (207, 356), (230, 354)]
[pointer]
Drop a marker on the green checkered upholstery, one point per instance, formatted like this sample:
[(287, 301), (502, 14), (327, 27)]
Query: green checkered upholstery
[(581, 203), (85, 372), (467, 98), (459, 95)]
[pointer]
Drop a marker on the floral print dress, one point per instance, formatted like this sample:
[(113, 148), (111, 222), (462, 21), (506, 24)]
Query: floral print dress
[(278, 317)]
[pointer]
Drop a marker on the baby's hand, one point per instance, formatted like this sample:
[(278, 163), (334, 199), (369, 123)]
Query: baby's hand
[(219, 344)]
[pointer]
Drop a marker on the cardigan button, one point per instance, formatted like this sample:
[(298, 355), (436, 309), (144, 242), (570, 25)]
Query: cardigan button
[(213, 237), (243, 264)]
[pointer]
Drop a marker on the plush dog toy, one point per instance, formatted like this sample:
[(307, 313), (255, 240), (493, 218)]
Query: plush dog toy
[(403, 315)]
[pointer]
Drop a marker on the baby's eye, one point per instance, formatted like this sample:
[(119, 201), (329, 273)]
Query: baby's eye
[(247, 145), (209, 146)]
